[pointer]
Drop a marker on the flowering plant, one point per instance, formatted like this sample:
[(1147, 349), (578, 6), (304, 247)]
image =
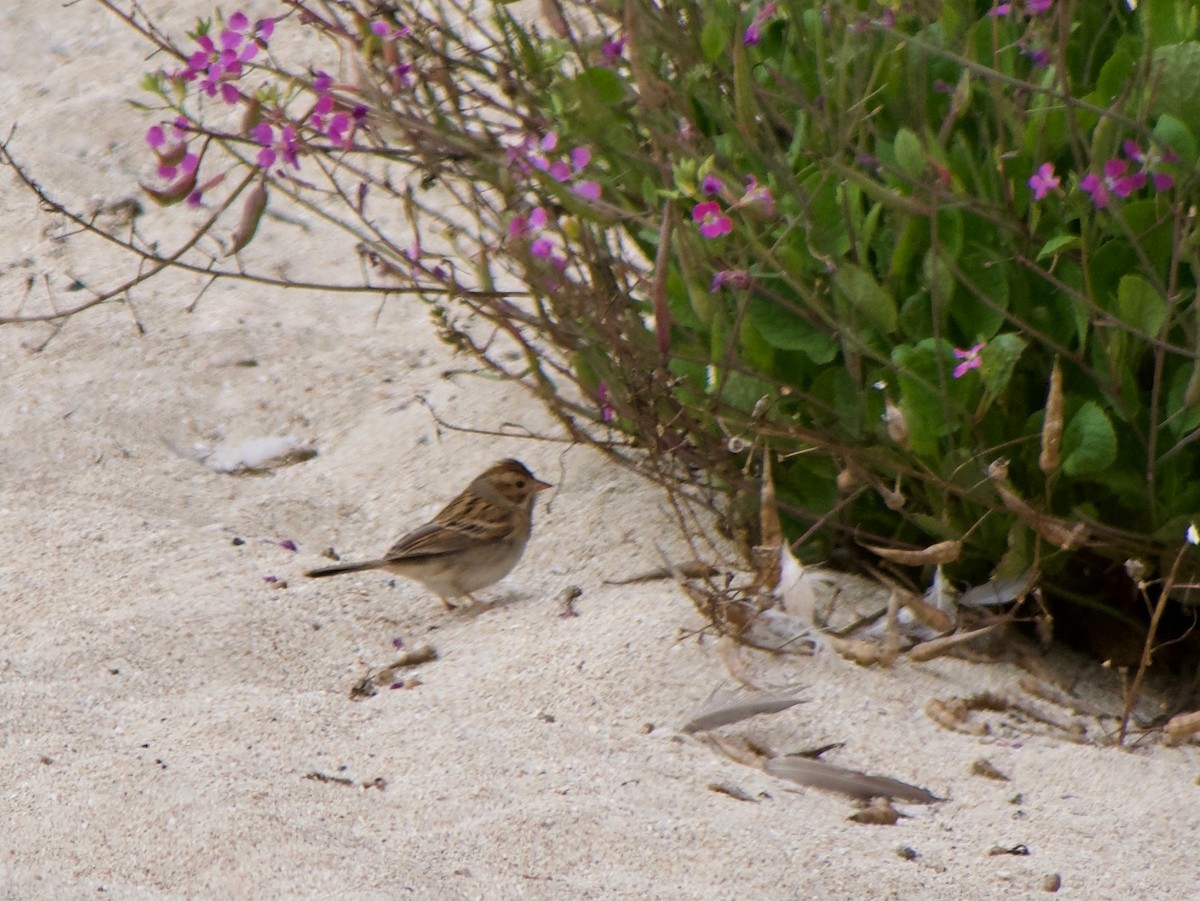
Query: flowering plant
[(943, 261)]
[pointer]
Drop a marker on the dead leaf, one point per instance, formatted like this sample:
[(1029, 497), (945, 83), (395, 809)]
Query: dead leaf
[(984, 767), (999, 591), (864, 653), (421, 652), (363, 688), (1015, 850), (827, 777), (877, 812), (724, 788), (724, 707), (953, 715)]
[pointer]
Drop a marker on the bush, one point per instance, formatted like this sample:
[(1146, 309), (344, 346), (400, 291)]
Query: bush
[(941, 259)]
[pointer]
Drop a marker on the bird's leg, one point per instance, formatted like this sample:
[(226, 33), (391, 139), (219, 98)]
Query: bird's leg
[(477, 605)]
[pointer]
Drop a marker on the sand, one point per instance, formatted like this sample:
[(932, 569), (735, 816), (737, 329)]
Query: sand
[(174, 724)]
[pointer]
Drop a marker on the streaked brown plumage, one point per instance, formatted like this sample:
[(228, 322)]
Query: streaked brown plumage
[(474, 542)]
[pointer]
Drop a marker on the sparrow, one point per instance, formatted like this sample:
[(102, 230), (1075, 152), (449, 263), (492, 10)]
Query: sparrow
[(474, 542)]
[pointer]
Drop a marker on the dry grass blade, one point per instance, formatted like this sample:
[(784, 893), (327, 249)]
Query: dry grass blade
[(827, 777), (770, 551), (725, 707)]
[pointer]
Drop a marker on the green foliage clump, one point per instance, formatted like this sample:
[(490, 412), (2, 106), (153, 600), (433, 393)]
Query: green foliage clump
[(951, 250)]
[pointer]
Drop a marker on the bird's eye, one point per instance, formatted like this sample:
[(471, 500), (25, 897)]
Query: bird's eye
[(520, 483)]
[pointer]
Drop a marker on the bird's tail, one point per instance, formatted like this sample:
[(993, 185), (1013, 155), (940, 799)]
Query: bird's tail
[(343, 568)]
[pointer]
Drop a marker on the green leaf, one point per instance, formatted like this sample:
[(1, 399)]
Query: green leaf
[(1159, 22), (1176, 135), (1113, 78), (600, 83), (923, 405), (1057, 243), (1089, 442), (909, 155), (978, 309), (786, 330), (998, 359), (1177, 73), (866, 296), (1140, 306), (714, 38)]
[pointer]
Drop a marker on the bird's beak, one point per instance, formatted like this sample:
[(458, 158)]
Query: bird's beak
[(539, 485)]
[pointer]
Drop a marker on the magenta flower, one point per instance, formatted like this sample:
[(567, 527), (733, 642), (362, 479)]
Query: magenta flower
[(753, 34), (1039, 57), (711, 185), (541, 246), (1149, 160), (1037, 7), (384, 29), (218, 64), (612, 50), (970, 360), (713, 223), (1043, 181), (565, 169), (275, 147), (1000, 9), (1115, 181), (172, 153), (607, 413)]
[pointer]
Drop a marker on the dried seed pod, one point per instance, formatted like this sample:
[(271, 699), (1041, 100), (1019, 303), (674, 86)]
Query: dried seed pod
[(897, 427), (1052, 427), (942, 552)]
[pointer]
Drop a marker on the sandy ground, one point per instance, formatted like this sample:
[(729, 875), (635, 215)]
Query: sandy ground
[(163, 707)]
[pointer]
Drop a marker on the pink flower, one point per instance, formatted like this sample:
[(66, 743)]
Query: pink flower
[(759, 196), (1043, 181), (1115, 181), (711, 185), (713, 223), (589, 190), (970, 360)]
